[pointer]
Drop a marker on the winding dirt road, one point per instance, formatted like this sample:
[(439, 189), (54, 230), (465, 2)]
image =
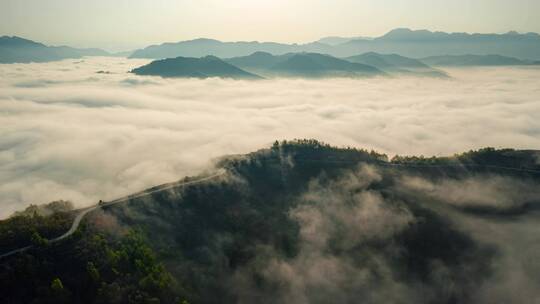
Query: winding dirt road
[(84, 211)]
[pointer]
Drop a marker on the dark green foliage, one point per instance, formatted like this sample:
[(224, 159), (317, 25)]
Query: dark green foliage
[(93, 272), (209, 232), (30, 226), (215, 241), (37, 240), (495, 160), (56, 285), (92, 267)]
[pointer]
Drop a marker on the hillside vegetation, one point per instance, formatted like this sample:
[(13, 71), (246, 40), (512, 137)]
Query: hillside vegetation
[(301, 221)]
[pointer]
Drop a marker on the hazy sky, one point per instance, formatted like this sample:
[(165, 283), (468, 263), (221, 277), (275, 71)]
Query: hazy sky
[(124, 24)]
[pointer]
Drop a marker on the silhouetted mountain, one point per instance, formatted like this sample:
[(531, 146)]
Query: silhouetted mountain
[(209, 66), (302, 65), (423, 43), (406, 42), (257, 61), (69, 52), (318, 65), (122, 54), (204, 47), (474, 60), (393, 63), (335, 40), (19, 50), (388, 60)]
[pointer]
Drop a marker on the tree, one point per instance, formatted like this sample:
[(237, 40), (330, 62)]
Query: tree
[(59, 294), (56, 285), (38, 240), (93, 272)]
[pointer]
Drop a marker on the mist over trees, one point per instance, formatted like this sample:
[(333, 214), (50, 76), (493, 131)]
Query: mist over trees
[(300, 222), (394, 169)]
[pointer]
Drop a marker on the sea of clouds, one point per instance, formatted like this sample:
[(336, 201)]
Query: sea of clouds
[(69, 132)]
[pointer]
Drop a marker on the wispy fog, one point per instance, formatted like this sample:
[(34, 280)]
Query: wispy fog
[(351, 243), (68, 132)]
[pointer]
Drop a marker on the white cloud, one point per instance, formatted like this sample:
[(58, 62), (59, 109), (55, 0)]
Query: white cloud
[(480, 191), (71, 133)]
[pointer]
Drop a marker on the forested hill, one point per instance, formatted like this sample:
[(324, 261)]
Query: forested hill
[(298, 222)]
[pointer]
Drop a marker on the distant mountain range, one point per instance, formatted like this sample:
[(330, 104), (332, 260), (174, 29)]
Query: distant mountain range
[(335, 40), (476, 60), (184, 67), (204, 47), (423, 43), (20, 50), (302, 65), (393, 63), (315, 65), (406, 42), (15, 49), (306, 65), (430, 47)]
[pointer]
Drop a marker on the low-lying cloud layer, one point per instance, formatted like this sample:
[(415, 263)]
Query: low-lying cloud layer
[(71, 133), (374, 235), (334, 221), (485, 191)]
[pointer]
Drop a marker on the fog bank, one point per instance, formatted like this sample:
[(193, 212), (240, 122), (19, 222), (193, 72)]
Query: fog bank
[(69, 132)]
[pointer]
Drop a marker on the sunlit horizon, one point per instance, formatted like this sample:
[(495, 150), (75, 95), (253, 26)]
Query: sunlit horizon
[(126, 25)]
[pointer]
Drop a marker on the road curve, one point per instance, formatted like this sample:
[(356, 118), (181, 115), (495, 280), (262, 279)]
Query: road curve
[(23, 249), (84, 211)]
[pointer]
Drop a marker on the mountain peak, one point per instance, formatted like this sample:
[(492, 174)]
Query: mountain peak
[(408, 34), (15, 41), (204, 40), (211, 58), (15, 49), (189, 67), (261, 54), (400, 30)]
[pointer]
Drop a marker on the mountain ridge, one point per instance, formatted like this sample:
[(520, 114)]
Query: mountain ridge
[(475, 60), (404, 41), (189, 67), (279, 211), (302, 64), (394, 63), (14, 49)]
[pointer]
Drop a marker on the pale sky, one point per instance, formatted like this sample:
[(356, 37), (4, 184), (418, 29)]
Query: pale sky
[(127, 24)]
